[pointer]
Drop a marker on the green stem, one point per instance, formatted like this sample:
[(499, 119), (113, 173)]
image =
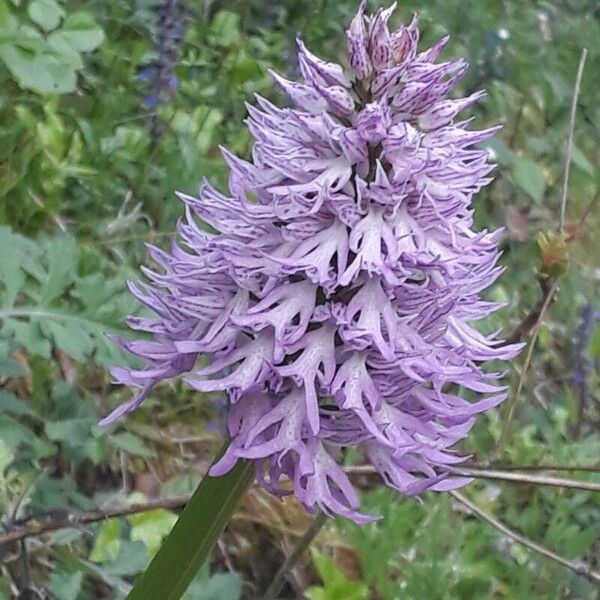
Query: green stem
[(191, 541)]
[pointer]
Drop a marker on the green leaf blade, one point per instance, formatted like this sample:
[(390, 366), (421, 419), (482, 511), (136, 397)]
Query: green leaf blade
[(198, 528), (530, 177), (46, 13)]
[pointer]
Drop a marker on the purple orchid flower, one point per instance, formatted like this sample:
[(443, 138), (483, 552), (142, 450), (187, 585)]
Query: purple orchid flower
[(335, 297)]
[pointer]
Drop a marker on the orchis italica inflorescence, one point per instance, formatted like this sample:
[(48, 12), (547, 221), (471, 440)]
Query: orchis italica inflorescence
[(335, 297)]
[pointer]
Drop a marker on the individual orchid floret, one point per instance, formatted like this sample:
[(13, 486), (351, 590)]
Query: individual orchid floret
[(315, 366), (373, 121), (330, 293)]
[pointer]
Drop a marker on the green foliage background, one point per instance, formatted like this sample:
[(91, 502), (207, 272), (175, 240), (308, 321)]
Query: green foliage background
[(87, 174)]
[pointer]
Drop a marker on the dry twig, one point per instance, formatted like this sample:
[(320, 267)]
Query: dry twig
[(577, 566), (535, 318), (501, 475), (569, 149), (34, 528), (512, 403), (550, 467), (299, 549), (529, 321), (589, 486)]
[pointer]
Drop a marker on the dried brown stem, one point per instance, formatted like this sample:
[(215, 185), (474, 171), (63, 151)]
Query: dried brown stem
[(500, 475), (576, 566), (533, 321), (299, 549), (530, 479), (529, 321), (512, 403), (35, 528), (569, 149), (550, 467)]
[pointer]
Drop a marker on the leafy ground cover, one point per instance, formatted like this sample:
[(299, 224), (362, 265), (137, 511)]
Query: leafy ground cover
[(108, 106)]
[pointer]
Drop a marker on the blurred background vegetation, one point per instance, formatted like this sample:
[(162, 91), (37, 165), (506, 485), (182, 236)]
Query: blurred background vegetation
[(106, 108)]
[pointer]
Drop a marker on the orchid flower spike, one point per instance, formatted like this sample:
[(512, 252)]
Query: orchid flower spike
[(335, 299)]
